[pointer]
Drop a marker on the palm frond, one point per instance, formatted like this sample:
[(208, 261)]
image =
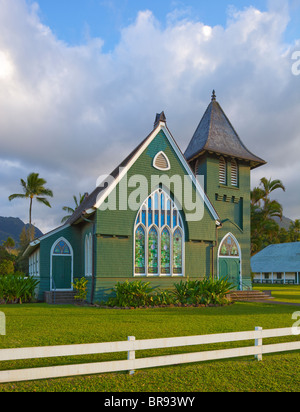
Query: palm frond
[(16, 196), (43, 200)]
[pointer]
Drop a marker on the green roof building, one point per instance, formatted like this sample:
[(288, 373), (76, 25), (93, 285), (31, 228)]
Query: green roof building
[(161, 216)]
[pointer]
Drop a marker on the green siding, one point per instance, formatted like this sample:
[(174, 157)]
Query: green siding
[(233, 206)]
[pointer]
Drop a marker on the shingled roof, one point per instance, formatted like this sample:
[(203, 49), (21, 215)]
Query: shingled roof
[(283, 257), (216, 134)]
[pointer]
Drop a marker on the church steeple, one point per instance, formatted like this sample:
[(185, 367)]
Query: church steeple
[(216, 134)]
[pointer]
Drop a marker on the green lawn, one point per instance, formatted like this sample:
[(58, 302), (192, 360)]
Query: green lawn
[(43, 325), (282, 293)]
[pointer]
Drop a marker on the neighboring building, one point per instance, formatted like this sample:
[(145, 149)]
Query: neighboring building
[(158, 241), (279, 263)]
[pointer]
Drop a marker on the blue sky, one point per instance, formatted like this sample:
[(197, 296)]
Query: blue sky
[(74, 21), (81, 82)]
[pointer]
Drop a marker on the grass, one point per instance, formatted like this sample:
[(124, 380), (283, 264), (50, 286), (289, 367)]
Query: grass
[(282, 293), (43, 325)]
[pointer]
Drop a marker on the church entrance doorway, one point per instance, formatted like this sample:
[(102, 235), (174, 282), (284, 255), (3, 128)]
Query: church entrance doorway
[(61, 265), (229, 260)]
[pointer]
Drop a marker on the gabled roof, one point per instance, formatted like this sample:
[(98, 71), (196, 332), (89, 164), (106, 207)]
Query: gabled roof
[(283, 257), (160, 125), (216, 134)]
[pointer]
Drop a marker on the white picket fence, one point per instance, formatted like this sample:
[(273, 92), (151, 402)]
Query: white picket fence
[(131, 346)]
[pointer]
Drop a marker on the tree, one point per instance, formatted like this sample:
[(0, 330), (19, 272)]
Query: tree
[(294, 231), (34, 187), (6, 267), (9, 244), (26, 235), (268, 186), (7, 261), (264, 230), (70, 210)]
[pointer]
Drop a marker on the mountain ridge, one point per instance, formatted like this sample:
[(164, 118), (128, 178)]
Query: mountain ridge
[(12, 227)]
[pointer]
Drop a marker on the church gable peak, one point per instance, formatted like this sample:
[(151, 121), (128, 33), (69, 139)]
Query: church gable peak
[(160, 118)]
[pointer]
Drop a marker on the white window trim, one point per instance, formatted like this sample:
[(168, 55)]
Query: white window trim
[(88, 255), (166, 158), (147, 228), (34, 264)]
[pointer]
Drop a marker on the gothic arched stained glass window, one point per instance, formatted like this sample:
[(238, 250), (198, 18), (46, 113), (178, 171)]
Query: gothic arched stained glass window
[(165, 254), (61, 248), (229, 248), (153, 251), (159, 237), (177, 251), (140, 250)]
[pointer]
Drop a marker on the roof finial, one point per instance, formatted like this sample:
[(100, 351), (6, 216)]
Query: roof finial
[(160, 117), (213, 97)]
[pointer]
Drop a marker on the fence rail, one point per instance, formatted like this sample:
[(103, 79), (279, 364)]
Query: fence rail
[(132, 345)]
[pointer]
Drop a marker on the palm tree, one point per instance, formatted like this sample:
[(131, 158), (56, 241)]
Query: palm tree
[(70, 210), (34, 187), (269, 185), (264, 230)]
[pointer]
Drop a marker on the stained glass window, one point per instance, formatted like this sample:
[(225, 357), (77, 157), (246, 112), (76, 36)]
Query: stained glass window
[(177, 252), (153, 251), (159, 237), (229, 247), (140, 250), (165, 254), (61, 248)]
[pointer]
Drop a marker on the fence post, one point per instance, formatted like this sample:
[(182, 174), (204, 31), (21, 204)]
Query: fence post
[(2, 324), (258, 342), (131, 353)]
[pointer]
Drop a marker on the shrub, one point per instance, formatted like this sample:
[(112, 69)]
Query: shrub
[(163, 297), (16, 288), (190, 292), (132, 294), (81, 287), (206, 291)]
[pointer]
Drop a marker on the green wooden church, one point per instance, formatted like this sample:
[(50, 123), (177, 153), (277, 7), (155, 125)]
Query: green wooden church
[(139, 223)]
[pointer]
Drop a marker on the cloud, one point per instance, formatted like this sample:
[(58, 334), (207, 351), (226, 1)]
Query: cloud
[(73, 113)]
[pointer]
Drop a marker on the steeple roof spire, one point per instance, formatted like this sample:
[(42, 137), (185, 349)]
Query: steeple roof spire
[(216, 134)]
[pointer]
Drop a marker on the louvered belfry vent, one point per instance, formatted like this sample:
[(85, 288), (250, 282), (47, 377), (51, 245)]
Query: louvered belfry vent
[(234, 173), (222, 171), (161, 162)]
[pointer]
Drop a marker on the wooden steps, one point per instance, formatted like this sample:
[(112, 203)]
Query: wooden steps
[(60, 297), (249, 296)]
